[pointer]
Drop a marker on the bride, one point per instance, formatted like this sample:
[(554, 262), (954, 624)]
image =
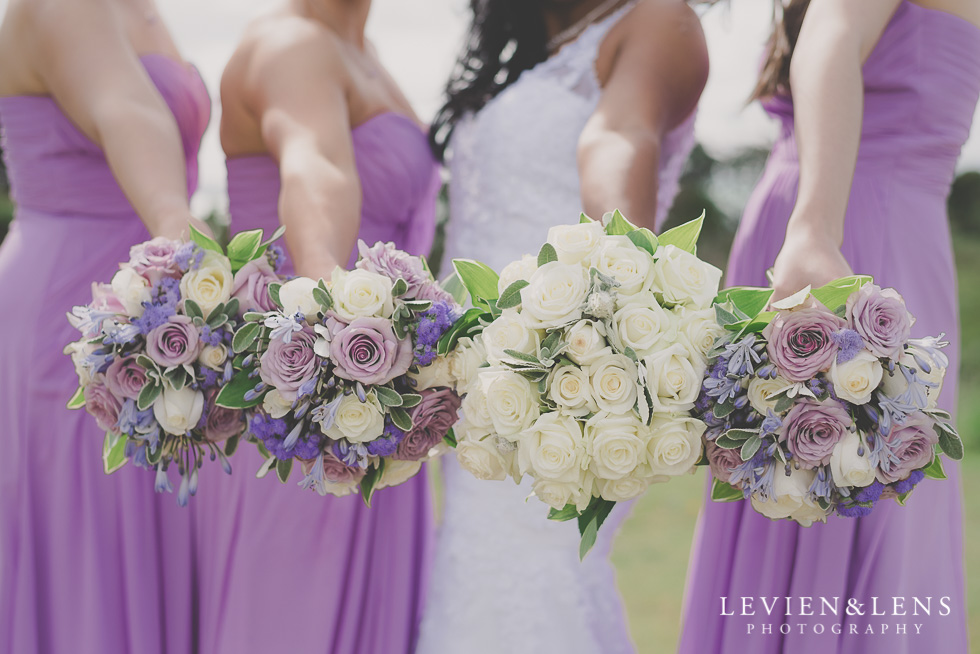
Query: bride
[(555, 106)]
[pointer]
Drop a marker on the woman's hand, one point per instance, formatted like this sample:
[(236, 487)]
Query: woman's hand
[(808, 257)]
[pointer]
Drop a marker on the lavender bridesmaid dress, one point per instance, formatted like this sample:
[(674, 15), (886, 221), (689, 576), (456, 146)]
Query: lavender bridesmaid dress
[(921, 82), (282, 569), (88, 562)]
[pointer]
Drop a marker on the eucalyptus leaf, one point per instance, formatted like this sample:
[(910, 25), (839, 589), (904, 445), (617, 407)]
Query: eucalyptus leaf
[(511, 297), (410, 400), (148, 395), (369, 483), (547, 254), (400, 288), (283, 468), (192, 309), (231, 445), (245, 336), (267, 467), (274, 293), (750, 447), (950, 443), (323, 298), (401, 418), (388, 396)]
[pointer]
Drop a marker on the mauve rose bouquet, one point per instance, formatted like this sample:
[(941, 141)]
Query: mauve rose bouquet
[(823, 404), (594, 355), (155, 352), (344, 375)]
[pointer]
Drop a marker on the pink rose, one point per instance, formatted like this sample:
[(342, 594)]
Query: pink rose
[(154, 259), (221, 423), (722, 461), (251, 286), (385, 259), (913, 444), (102, 405), (287, 366), (811, 429), (174, 343), (435, 293), (334, 470), (880, 317), (801, 342), (103, 299), (368, 351), (431, 421), (125, 378)]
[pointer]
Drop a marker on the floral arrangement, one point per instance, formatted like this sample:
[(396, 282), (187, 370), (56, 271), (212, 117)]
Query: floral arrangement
[(342, 375), (595, 350), (823, 404), (155, 352)]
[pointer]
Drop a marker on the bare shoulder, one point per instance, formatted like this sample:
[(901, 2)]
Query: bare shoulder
[(670, 26)]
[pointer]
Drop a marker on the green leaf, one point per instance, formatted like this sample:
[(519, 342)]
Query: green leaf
[(231, 307), (193, 309), (547, 254), (283, 468), (584, 219), (231, 445), (783, 403), (835, 294), (400, 288), (243, 248), (901, 499), (724, 316), (590, 521), (454, 286), (722, 410), (511, 297), (274, 293), (450, 438), (113, 452), (949, 441), (467, 325), (521, 356), (77, 400), (644, 239), (617, 225), (253, 316), (267, 467), (569, 512), (148, 395), (725, 492), (478, 278), (387, 396), (232, 395), (177, 377), (750, 447), (410, 399), (153, 456), (276, 235), (684, 237), (749, 299), (369, 483), (401, 418), (217, 319), (417, 306), (205, 241), (935, 469), (245, 336)]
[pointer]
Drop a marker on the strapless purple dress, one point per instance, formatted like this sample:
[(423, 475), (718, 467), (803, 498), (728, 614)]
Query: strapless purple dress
[(280, 568), (89, 563), (921, 82)]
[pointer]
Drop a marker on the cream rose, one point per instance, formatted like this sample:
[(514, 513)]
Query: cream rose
[(465, 361), (855, 380), (675, 444), (79, 352), (522, 269), (474, 406), (682, 278), (614, 383), (616, 445), (275, 404), (643, 327), (674, 378), (621, 490), (847, 466), (791, 498), (760, 392), (586, 343), (511, 402), (361, 294), (178, 411), (557, 494), (214, 356), (571, 389), (434, 375), (576, 243), (132, 290), (552, 448), (509, 331), (297, 295), (210, 284), (358, 422), (699, 328), (632, 267), (554, 295), (479, 456), (398, 472)]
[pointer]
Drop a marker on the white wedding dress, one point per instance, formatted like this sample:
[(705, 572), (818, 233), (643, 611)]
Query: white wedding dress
[(506, 580)]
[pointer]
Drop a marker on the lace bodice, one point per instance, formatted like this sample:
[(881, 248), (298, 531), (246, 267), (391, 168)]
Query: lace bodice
[(505, 579)]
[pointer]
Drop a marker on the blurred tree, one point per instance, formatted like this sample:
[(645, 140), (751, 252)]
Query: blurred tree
[(964, 203)]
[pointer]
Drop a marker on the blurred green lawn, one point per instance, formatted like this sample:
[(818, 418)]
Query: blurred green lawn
[(651, 552)]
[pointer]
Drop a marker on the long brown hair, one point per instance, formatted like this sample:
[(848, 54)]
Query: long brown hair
[(787, 22)]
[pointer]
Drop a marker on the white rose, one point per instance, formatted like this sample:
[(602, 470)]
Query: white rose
[(398, 472), (509, 331), (557, 494), (358, 422), (644, 327), (361, 294), (178, 411), (699, 328), (614, 383), (682, 278), (214, 356), (674, 378), (79, 352), (297, 295), (576, 243), (617, 444), (210, 284), (810, 512), (761, 390), (465, 361), (849, 468), (555, 294), (511, 402), (586, 342), (632, 267), (855, 380), (571, 389), (480, 457), (675, 444), (132, 290), (474, 406), (791, 498), (552, 448), (434, 375), (621, 490), (275, 404), (522, 269), (894, 384)]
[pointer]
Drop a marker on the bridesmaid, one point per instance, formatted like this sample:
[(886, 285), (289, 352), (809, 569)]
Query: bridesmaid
[(319, 138), (101, 125), (864, 193)]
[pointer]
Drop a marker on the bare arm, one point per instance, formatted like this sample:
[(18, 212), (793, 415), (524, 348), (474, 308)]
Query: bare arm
[(89, 67), (654, 84), (301, 102), (828, 96)]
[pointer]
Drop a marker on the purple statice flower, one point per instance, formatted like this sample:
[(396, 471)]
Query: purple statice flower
[(870, 493), (188, 256), (387, 443), (433, 323), (209, 378), (352, 455), (849, 342), (213, 337), (164, 298), (276, 256), (273, 433), (855, 510), (907, 484), (742, 356)]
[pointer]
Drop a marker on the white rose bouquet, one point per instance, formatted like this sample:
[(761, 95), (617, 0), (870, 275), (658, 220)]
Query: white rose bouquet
[(344, 377), (155, 352), (592, 358), (823, 404)]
